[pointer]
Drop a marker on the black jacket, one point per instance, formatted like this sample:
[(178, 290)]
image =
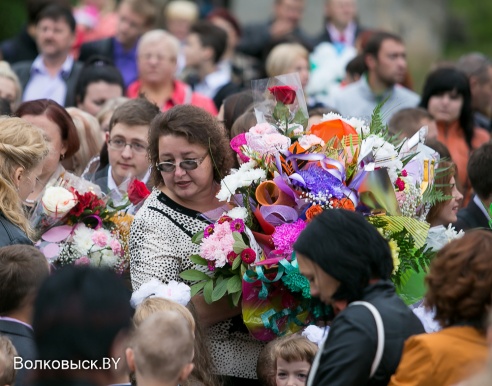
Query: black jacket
[(22, 337), (471, 217), (20, 47), (351, 345), (102, 47), (11, 234)]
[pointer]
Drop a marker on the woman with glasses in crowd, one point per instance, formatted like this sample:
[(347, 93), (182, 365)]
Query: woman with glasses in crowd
[(22, 150), (189, 153)]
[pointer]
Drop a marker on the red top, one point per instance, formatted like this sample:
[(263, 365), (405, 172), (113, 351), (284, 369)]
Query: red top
[(182, 95)]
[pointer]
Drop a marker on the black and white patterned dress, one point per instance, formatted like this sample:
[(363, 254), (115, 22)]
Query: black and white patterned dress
[(160, 244)]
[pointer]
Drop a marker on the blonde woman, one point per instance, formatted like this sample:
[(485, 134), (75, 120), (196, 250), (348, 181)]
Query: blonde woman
[(286, 58), (90, 138), (22, 150), (10, 88)]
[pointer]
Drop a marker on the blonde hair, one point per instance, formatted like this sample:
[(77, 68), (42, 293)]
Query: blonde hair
[(91, 141), (7, 72), (152, 305), (21, 145), (109, 107), (182, 9), (7, 355), (280, 59), (162, 345), (295, 348), (204, 367)]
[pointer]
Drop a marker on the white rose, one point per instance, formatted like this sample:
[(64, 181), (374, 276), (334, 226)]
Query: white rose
[(58, 201)]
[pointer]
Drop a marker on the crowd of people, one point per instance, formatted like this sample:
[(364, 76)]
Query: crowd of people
[(115, 90)]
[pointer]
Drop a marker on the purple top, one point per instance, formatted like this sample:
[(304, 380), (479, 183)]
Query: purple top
[(126, 62)]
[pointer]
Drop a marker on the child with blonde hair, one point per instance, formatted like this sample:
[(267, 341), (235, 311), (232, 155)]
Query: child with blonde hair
[(161, 352), (7, 355), (294, 356), (153, 297)]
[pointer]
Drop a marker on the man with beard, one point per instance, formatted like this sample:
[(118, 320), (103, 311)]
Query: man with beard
[(386, 67), (54, 72)]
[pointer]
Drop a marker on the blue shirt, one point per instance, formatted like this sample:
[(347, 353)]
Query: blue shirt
[(126, 62), (42, 85)]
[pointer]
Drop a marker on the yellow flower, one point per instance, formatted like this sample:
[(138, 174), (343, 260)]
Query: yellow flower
[(395, 250)]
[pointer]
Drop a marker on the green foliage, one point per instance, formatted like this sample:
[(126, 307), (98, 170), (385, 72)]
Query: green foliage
[(377, 126)]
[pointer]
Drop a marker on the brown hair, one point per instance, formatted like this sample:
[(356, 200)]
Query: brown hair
[(266, 364), (22, 270), (460, 281), (442, 183), (198, 127), (295, 348), (479, 166), (145, 8), (56, 114), (135, 112), (407, 122)]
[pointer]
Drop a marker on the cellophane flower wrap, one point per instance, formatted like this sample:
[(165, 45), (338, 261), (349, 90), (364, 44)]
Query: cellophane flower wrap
[(81, 226)]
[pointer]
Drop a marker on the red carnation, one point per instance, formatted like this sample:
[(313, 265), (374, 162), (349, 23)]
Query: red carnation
[(283, 94), (248, 256), (231, 256), (137, 192)]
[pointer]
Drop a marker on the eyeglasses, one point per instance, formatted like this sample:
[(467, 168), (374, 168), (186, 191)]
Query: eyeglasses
[(188, 164), (119, 144)]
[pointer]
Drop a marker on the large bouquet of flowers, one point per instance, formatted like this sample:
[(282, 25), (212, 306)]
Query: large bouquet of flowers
[(80, 225), (288, 176)]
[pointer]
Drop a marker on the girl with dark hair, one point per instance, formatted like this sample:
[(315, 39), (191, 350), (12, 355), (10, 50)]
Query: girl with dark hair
[(447, 97), (346, 261), (459, 290)]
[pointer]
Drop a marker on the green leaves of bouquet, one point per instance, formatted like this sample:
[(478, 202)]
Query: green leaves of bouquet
[(224, 250)]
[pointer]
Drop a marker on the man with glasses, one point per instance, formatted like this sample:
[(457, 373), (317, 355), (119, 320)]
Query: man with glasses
[(127, 145)]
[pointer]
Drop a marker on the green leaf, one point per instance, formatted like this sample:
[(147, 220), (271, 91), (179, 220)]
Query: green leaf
[(197, 238), (195, 288), (193, 275), (238, 247), (234, 284), (236, 297), (207, 291), (300, 118), (237, 237), (236, 263), (197, 259), (280, 111), (220, 290)]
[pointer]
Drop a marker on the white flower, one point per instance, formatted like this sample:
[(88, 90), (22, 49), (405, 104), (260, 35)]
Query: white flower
[(238, 212), (58, 201), (331, 117), (359, 125), (384, 154), (243, 177), (82, 239), (316, 334)]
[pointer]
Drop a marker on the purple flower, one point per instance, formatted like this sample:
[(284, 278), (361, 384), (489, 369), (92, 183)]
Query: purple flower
[(237, 225), (319, 181)]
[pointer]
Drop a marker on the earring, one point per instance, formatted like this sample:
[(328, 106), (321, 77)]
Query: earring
[(62, 157)]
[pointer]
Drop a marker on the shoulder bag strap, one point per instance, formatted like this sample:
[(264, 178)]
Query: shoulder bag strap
[(315, 365), (380, 332)]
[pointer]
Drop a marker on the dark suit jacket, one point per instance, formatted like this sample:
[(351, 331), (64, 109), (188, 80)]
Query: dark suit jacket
[(20, 47), (471, 217), (103, 47), (23, 71), (22, 338)]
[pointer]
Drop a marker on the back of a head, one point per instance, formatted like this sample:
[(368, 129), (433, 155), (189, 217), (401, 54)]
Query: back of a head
[(459, 282), (407, 122), (7, 72), (243, 123), (22, 270), (348, 248), (79, 312), (479, 171), (162, 346), (135, 112), (281, 57), (153, 305), (7, 357), (182, 10), (235, 105)]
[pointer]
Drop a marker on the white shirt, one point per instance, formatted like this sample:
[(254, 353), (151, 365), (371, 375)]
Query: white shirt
[(117, 190), (211, 84)]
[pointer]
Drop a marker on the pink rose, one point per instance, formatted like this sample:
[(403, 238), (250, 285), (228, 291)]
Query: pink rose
[(263, 128), (84, 260), (116, 247), (100, 238)]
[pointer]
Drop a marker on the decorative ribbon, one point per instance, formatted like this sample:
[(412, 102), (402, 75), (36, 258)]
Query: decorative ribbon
[(268, 193), (270, 318)]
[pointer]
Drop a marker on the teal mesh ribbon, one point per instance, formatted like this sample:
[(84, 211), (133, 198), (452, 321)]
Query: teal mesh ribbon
[(270, 318), (251, 276)]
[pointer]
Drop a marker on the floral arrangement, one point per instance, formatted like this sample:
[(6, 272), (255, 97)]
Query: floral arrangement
[(289, 175), (84, 227), (227, 247)]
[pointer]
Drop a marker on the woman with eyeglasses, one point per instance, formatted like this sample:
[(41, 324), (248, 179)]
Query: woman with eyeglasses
[(22, 150), (189, 154), (60, 133)]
